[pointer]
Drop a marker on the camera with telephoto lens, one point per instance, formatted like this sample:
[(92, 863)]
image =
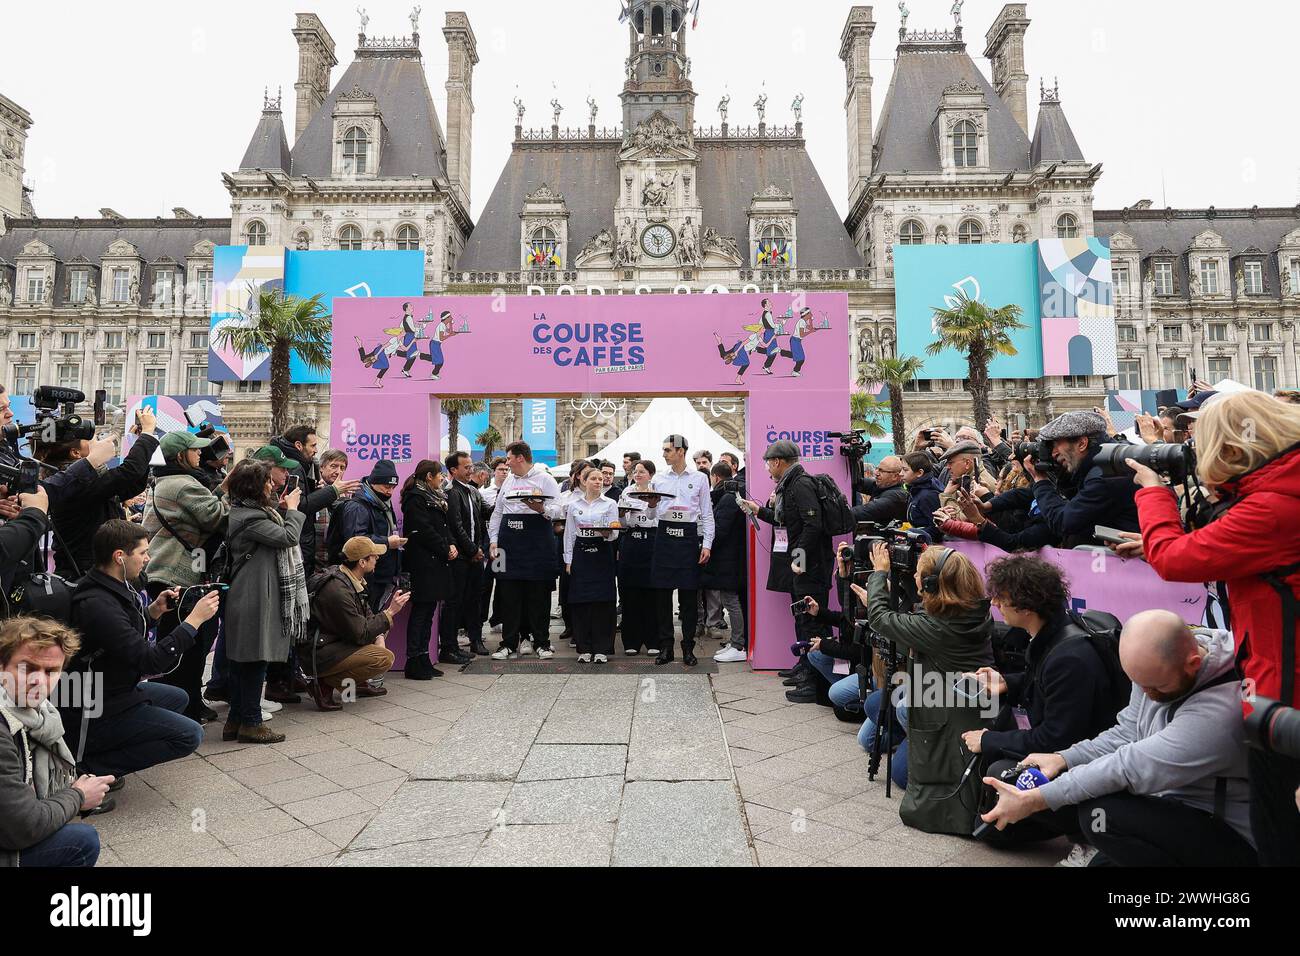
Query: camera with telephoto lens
[(1175, 461), (1038, 453), (20, 475), (1274, 728)]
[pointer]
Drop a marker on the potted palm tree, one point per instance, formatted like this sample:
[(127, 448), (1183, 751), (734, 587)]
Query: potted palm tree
[(981, 334), (895, 373), (281, 325)]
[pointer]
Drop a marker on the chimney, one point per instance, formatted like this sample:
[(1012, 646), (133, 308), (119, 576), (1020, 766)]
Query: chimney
[(855, 51), (462, 57), (1006, 51), (315, 61)]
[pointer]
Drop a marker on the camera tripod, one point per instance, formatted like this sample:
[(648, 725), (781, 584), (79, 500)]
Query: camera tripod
[(892, 661)]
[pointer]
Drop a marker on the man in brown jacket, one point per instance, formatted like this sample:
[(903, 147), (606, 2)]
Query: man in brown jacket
[(351, 647)]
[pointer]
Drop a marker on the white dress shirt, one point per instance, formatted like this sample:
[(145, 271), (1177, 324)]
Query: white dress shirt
[(601, 512), (537, 481), (636, 514), (689, 490)]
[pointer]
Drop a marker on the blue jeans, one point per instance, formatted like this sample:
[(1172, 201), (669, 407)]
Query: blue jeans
[(150, 731), (844, 693), (75, 844), (245, 686), (867, 734)]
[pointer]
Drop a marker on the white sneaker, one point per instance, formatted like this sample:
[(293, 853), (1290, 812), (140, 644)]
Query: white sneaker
[(265, 717), (504, 654), (1079, 856), (584, 658), (545, 653), (731, 655), (602, 659), (525, 648), (271, 707)]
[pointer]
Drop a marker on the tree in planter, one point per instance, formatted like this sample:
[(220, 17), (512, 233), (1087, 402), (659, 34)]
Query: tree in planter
[(895, 373), (981, 334), (454, 408), (489, 440), (281, 325)]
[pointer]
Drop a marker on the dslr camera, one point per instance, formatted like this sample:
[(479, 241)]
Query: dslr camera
[(1039, 453), (1274, 728), (1175, 461)]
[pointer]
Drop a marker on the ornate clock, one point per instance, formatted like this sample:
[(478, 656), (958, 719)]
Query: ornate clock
[(658, 241)]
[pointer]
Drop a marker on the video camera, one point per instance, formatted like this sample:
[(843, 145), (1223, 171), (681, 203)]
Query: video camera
[(905, 549), (56, 418), (1274, 728), (853, 444), (1176, 461)]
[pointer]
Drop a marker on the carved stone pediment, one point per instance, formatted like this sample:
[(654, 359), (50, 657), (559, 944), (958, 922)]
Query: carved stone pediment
[(204, 247), (121, 249), (658, 136), (544, 193), (1209, 239), (38, 250)]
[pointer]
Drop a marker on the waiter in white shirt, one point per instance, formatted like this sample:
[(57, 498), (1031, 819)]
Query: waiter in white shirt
[(523, 552), (636, 551), (682, 545), (589, 533), (500, 472)]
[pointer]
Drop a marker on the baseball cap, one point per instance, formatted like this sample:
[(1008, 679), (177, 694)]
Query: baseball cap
[(273, 456), (173, 443), (362, 547)]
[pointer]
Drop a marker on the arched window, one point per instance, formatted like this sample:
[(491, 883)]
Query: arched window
[(677, 20), (912, 233), (774, 232), (657, 21), (350, 238), (257, 233), (971, 233), (965, 144), (408, 237), (356, 151), (1067, 227), (543, 250), (774, 247)]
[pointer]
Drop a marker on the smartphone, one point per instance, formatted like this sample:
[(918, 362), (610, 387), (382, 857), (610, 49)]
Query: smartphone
[(966, 483), (290, 484), (1004, 434), (101, 397), (1109, 535), (968, 688), (800, 607)]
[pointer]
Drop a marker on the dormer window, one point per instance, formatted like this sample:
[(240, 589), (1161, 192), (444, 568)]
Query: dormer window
[(543, 249), (35, 286), (911, 234), (77, 286), (970, 233), (350, 239), (965, 144), (256, 233), (1210, 276), (1067, 227), (1254, 275), (356, 152), (1164, 276)]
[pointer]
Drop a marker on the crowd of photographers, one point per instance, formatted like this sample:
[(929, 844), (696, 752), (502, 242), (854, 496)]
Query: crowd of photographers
[(1003, 712)]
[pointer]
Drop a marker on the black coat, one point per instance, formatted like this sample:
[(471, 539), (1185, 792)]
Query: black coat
[(1064, 690), (429, 541), (467, 510), (18, 539), (800, 513), (1096, 500), (1020, 525), (78, 516), (112, 625), (924, 503), (726, 568), (368, 515), (315, 498), (885, 507)]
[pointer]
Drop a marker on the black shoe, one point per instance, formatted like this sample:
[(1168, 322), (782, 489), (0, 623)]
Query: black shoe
[(202, 714), (688, 657), (665, 657), (454, 656), (479, 649), (803, 694), (849, 716), (421, 668), (117, 784), (107, 805), (793, 681)]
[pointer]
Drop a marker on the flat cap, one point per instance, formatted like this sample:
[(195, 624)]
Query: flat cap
[(962, 448), (1074, 425), (784, 450)]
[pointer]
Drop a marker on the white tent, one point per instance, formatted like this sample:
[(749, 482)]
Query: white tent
[(664, 417)]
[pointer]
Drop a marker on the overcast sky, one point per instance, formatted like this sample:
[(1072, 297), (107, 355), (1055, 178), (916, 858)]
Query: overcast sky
[(141, 107)]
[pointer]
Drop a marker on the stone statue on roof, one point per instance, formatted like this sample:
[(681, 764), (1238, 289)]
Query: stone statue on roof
[(592, 110), (797, 107), (760, 104), (723, 105), (520, 109), (415, 20), (956, 12), (365, 20), (556, 110), (904, 13)]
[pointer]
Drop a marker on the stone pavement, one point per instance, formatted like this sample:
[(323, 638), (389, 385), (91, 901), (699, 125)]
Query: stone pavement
[(545, 769)]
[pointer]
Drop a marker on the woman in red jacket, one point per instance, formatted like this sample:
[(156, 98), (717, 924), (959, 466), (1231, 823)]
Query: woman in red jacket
[(1248, 449)]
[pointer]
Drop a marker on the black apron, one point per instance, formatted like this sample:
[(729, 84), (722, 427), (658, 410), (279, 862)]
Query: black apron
[(592, 579), (676, 562), (636, 550), (528, 543)]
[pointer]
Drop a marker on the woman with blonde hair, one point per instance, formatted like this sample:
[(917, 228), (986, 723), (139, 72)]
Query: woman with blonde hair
[(1248, 451), (951, 635)]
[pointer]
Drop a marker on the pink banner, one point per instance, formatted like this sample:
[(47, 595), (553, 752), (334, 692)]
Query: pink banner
[(786, 354), (1104, 582)]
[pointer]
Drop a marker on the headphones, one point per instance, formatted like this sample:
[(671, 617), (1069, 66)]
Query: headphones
[(930, 582)]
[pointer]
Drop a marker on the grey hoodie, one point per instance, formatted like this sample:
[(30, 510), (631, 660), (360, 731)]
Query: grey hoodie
[(1147, 754)]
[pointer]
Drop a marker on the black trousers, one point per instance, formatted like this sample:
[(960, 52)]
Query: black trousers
[(188, 675), (1274, 817), (807, 627), (525, 603), (419, 629), (486, 612), (640, 618), (461, 609), (688, 607), (1129, 830), (593, 627)]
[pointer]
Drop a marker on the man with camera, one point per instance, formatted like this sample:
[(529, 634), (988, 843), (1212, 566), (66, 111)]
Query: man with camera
[(1090, 498), (139, 723), (889, 499), (802, 551), (77, 516), (26, 521), (1166, 786)]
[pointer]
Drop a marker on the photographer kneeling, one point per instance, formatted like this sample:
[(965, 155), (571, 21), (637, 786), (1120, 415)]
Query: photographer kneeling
[(951, 636), (1094, 499), (1248, 450)]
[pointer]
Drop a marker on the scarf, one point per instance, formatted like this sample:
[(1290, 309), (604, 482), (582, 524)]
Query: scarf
[(294, 603), (50, 760)]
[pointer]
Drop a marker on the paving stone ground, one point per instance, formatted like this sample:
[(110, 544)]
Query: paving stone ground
[(547, 769)]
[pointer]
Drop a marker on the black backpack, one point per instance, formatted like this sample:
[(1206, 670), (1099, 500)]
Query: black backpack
[(1102, 631), (837, 513)]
